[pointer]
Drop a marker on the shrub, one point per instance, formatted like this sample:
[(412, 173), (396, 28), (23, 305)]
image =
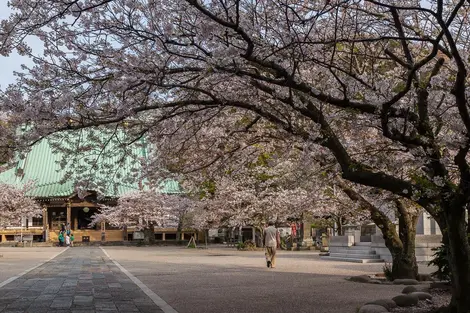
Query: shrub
[(240, 246), (387, 269), (440, 259), (284, 242), (248, 245)]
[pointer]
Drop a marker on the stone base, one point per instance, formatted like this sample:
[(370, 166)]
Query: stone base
[(307, 242)]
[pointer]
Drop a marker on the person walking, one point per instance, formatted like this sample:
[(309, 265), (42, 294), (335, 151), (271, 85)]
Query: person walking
[(271, 242), (72, 238)]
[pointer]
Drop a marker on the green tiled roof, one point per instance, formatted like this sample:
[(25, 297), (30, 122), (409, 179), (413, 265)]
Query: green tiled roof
[(41, 165)]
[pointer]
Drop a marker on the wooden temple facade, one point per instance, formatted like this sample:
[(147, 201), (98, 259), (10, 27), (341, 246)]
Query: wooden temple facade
[(77, 213), (61, 204)]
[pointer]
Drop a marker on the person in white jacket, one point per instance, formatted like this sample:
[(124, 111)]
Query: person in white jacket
[(271, 242)]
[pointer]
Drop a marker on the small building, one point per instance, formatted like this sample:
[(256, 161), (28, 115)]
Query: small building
[(60, 200)]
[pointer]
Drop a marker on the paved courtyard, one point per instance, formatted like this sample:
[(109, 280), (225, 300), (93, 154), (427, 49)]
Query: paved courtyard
[(78, 280), (14, 261), (179, 280)]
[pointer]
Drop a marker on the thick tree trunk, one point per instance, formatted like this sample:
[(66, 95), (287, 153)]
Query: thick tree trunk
[(406, 265), (339, 223), (401, 246), (468, 222), (149, 234), (179, 229), (459, 259), (403, 258)]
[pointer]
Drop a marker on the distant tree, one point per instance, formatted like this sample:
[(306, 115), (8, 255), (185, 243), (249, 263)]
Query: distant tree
[(145, 210), (15, 205)]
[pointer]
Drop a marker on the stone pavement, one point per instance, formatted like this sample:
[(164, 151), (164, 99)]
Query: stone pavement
[(79, 280)]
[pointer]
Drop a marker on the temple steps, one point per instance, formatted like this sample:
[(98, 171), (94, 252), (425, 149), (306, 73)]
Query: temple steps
[(360, 253), (352, 260)]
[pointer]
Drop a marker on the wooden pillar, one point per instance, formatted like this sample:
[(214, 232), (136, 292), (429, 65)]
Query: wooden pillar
[(69, 213), (182, 235), (45, 223), (103, 231), (163, 236), (253, 229), (124, 233), (75, 222)]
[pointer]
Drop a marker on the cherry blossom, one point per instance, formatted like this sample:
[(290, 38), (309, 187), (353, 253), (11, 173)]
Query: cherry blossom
[(382, 86), (142, 209), (15, 204)]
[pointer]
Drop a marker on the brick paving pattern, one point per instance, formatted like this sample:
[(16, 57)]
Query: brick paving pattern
[(80, 280)]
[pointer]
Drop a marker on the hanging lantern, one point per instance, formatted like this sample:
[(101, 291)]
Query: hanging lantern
[(86, 209)]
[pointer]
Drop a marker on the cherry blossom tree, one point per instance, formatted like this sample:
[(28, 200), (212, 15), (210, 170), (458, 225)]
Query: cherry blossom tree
[(146, 210), (325, 72), (7, 140), (401, 243), (277, 180), (15, 204), (257, 174)]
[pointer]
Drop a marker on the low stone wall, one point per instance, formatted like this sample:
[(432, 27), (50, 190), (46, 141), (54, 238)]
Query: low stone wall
[(340, 242), (424, 245)]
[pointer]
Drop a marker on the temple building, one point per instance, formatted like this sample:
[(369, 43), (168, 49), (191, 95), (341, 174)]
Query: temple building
[(61, 203)]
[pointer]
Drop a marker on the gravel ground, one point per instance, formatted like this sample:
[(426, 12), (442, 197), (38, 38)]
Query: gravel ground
[(439, 298), (225, 280)]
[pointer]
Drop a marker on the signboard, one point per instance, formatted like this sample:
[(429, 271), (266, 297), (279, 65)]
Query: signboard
[(137, 235)]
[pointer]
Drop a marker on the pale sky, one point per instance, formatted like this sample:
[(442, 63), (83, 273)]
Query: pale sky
[(14, 61)]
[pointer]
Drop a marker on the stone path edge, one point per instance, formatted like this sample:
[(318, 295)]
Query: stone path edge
[(165, 307), (9, 280)]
